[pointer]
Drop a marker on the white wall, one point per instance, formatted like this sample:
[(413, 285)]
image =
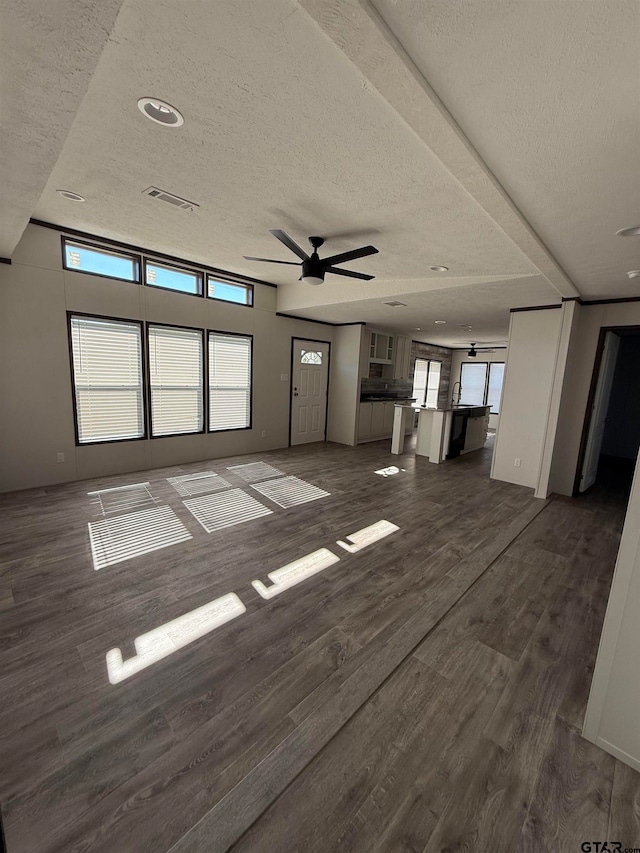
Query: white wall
[(612, 720), (36, 412), (526, 395), (460, 357), (589, 319), (344, 383)]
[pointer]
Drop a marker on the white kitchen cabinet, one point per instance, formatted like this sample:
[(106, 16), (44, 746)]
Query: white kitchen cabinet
[(387, 425), (402, 357), (377, 420), (381, 347), (364, 421)]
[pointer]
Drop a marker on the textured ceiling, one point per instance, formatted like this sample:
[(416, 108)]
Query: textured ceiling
[(48, 53), (335, 118), (549, 93), (480, 305)]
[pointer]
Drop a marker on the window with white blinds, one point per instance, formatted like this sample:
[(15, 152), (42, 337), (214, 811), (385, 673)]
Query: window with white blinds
[(229, 381), (176, 380), (107, 375), (426, 382)]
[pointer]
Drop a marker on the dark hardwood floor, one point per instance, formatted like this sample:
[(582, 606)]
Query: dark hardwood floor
[(425, 693)]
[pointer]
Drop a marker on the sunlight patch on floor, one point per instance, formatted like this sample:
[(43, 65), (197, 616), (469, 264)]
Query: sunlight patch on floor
[(196, 484), (293, 573), (123, 498), (367, 536), (290, 491), (215, 512), (255, 471), (115, 540), (160, 642)]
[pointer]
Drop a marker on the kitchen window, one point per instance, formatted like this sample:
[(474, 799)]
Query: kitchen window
[(106, 357), (481, 384), (176, 380), (426, 382), (494, 386), (230, 368)]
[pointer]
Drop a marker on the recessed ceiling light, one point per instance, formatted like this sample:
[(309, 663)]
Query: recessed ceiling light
[(417, 329), (160, 112), (439, 269), (69, 195), (632, 231), (396, 304), (440, 322)]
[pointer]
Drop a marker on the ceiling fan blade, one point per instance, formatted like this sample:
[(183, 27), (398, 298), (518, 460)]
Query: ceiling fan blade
[(288, 242), (349, 273), (350, 256), (271, 261)]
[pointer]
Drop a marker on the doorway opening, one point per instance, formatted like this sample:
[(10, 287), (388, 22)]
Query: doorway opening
[(611, 433)]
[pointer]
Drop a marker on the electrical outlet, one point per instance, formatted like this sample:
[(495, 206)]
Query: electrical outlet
[(517, 462), (264, 433), (60, 457)]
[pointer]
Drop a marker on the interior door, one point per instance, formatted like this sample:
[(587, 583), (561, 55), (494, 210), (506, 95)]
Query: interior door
[(599, 410), (310, 380)]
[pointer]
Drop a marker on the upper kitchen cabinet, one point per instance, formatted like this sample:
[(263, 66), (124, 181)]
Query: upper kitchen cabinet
[(402, 360), (381, 347)]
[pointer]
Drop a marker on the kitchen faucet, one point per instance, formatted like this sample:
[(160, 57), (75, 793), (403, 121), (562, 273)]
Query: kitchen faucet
[(453, 393)]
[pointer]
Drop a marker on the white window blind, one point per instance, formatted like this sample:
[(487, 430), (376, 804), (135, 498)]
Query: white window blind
[(229, 381), (420, 381), (176, 379), (107, 367), (494, 388), (473, 378), (433, 384)]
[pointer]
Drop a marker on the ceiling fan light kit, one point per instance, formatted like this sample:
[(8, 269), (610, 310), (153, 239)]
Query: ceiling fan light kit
[(313, 266)]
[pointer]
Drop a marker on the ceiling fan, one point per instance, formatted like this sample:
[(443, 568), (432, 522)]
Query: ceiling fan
[(473, 352), (314, 268)]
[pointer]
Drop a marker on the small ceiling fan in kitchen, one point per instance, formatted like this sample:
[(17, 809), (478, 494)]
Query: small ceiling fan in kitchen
[(473, 352), (314, 268)]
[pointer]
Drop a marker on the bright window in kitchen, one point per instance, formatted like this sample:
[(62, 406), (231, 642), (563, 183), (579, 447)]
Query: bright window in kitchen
[(482, 384), (426, 382), (473, 380), (494, 386)]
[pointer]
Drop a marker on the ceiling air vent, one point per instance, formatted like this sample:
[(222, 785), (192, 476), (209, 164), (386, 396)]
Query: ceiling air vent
[(163, 195), (395, 304)]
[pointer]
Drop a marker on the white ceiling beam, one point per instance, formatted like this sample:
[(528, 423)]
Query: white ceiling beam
[(358, 30)]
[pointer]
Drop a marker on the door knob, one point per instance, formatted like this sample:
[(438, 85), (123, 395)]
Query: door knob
[(295, 392)]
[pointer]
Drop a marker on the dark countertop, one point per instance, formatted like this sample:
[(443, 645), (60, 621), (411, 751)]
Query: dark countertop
[(380, 398), (459, 408)]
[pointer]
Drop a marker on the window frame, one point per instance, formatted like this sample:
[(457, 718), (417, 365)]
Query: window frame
[(486, 380), (249, 288), (426, 387), (96, 247), (140, 258), (504, 364), (210, 332), (146, 261), (205, 378), (72, 374)]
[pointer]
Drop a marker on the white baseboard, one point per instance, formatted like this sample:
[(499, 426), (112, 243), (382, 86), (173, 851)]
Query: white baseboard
[(634, 763)]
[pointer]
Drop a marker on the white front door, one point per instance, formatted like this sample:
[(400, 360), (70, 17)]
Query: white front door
[(599, 410), (309, 384)]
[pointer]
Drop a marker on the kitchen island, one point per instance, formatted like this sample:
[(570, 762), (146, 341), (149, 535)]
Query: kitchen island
[(443, 432)]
